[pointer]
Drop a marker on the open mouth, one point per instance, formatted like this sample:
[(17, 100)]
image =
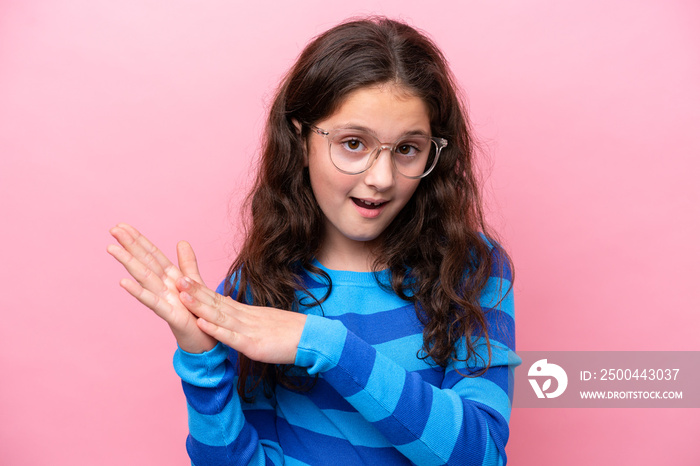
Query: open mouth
[(367, 204)]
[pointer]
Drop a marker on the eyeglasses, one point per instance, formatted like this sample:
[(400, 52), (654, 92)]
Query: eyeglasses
[(353, 151)]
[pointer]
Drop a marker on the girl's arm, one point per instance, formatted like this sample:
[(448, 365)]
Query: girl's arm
[(209, 378), (462, 422), (222, 430)]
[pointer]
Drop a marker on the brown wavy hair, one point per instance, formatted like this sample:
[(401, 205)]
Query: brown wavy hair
[(438, 247)]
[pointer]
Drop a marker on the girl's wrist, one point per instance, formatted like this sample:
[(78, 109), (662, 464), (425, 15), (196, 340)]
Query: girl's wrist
[(195, 345)]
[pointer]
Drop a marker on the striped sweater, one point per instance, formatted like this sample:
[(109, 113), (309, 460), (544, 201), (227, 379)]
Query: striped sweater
[(375, 401)]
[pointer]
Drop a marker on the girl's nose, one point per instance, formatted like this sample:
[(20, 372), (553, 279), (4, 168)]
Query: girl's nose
[(380, 175)]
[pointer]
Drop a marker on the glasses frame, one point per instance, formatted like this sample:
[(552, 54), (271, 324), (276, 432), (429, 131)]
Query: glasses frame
[(440, 143)]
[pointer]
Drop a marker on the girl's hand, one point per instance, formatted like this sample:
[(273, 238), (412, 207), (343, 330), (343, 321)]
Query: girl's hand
[(154, 284), (263, 334)]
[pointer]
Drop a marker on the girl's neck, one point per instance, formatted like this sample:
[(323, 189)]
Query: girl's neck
[(358, 259), (350, 263)]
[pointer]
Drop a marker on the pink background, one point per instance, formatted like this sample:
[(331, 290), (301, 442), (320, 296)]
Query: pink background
[(150, 112)]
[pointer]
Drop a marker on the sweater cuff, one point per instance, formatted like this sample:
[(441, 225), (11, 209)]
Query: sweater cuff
[(202, 369), (321, 344)]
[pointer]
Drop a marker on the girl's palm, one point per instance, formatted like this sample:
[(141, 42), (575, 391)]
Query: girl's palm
[(153, 283)]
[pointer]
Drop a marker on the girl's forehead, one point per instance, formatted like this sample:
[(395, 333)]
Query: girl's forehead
[(398, 90), (383, 105)]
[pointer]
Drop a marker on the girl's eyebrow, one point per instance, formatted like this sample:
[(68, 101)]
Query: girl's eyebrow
[(415, 132)]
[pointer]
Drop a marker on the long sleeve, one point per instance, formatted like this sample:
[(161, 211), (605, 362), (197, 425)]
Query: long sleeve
[(223, 430), (464, 421)]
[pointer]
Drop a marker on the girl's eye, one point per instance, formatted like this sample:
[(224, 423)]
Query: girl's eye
[(406, 150), (353, 144)]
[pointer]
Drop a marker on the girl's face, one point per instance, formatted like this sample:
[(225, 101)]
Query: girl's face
[(389, 112)]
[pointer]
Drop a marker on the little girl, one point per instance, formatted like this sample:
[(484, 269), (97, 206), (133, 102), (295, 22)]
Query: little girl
[(368, 318)]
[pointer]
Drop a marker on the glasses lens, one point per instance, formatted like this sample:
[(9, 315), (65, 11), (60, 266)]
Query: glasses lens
[(351, 152), (414, 155)]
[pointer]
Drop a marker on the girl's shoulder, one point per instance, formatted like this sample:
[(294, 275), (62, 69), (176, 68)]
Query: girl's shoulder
[(501, 265)]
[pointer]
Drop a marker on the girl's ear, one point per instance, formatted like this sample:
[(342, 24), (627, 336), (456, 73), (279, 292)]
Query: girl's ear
[(304, 147), (297, 125)]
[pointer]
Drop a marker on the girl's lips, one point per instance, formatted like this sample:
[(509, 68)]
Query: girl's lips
[(368, 203), (369, 208)]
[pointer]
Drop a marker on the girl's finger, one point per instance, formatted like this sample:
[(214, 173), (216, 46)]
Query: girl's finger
[(188, 261), (199, 291), (161, 307), (208, 304), (141, 273), (151, 248), (136, 249), (224, 335)]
